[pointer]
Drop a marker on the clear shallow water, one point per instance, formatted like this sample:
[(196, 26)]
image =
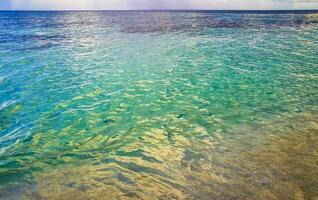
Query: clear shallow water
[(158, 105)]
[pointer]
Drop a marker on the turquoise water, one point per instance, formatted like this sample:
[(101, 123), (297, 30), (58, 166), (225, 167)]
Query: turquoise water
[(158, 105)]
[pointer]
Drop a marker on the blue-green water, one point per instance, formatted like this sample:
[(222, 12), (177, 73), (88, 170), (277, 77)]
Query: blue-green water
[(158, 105)]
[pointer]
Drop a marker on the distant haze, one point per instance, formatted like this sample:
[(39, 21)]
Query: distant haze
[(155, 4)]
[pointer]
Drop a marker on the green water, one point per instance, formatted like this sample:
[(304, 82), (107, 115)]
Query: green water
[(158, 105)]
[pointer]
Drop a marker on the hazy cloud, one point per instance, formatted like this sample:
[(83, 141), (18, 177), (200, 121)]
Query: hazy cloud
[(158, 4)]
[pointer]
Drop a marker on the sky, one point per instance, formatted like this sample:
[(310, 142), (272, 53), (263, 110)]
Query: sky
[(155, 4)]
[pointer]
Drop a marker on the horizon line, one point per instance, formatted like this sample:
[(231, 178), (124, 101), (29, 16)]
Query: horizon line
[(185, 10)]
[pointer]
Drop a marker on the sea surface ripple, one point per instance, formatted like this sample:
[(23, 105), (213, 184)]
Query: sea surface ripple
[(158, 105)]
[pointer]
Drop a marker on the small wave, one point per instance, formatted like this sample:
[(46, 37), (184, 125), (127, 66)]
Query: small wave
[(13, 138), (240, 70), (4, 149), (7, 103)]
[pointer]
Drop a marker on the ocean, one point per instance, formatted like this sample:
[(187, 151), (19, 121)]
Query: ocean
[(159, 105)]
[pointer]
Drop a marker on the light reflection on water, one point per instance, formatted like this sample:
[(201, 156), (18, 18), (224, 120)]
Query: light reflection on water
[(272, 160), (158, 105)]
